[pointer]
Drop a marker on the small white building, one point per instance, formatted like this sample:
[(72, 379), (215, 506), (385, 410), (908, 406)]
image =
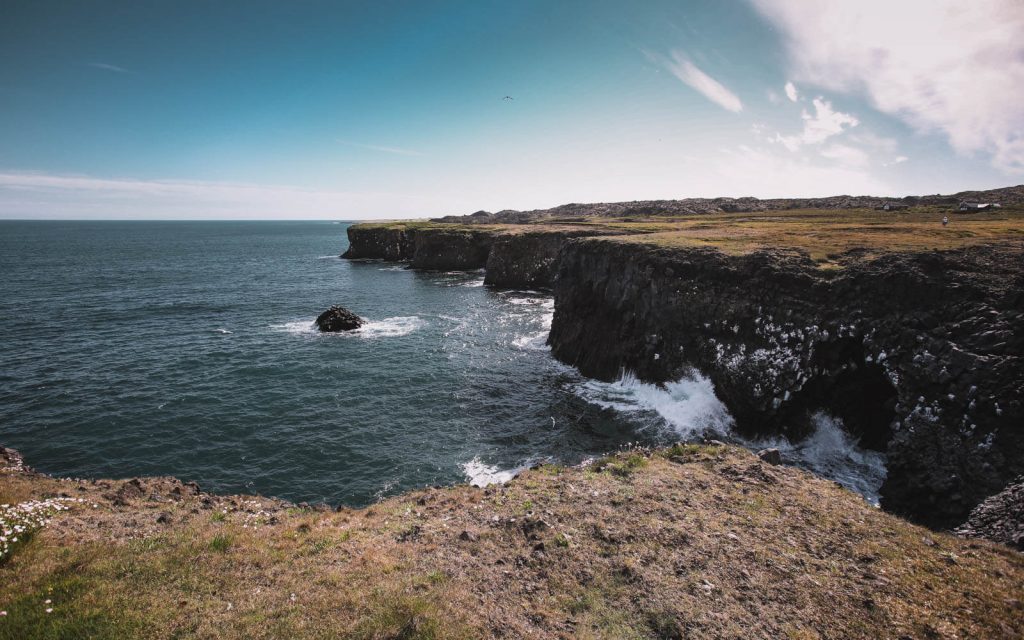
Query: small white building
[(977, 206)]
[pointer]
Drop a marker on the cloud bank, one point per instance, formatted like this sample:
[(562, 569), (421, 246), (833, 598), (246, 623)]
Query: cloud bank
[(949, 66), (44, 195)]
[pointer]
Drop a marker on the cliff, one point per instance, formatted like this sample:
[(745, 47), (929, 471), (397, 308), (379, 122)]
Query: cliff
[(920, 354), (691, 541), (908, 329), (513, 256)]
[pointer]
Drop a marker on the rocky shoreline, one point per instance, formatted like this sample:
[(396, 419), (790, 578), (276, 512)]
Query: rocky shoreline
[(918, 349)]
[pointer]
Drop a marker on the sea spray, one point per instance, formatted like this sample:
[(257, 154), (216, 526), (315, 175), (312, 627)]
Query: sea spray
[(688, 409)]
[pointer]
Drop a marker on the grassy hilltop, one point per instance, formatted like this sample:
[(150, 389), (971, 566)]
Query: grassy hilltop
[(692, 541)]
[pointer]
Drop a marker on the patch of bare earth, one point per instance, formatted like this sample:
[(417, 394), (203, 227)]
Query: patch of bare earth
[(693, 541)]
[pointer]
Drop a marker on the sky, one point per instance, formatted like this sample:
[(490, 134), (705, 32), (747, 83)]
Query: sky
[(356, 110)]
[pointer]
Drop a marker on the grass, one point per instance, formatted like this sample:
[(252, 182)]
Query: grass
[(689, 541), (824, 235), (221, 543)]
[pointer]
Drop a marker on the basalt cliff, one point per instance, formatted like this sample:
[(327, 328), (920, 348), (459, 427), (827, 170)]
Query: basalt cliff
[(909, 330)]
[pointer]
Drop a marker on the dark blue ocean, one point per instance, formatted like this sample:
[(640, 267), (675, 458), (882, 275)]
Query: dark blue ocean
[(186, 349)]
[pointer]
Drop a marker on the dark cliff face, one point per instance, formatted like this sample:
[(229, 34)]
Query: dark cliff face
[(529, 260), (380, 242), (512, 260), (523, 260), (921, 355), (441, 250)]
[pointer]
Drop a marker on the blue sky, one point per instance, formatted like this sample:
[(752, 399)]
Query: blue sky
[(341, 110)]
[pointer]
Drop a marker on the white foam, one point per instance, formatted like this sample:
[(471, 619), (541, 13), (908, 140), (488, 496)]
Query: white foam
[(297, 327), (386, 328), (389, 327), (394, 267), (481, 474), (690, 409), (479, 282), (223, 331), (333, 257), (688, 406), (833, 453), (533, 341)]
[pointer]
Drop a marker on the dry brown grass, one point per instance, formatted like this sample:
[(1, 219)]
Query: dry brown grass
[(704, 542), (823, 234)]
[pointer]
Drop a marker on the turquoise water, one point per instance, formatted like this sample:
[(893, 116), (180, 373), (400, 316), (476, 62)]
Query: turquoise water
[(186, 349)]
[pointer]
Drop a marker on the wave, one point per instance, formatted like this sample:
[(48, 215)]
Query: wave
[(690, 409), (533, 341), (296, 327), (687, 406), (385, 328), (390, 327), (481, 474), (833, 453)]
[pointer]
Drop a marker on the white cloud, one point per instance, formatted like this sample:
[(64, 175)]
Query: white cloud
[(107, 67), (822, 125), (767, 174), (376, 147), (900, 159), (940, 65), (846, 155), (791, 92), (712, 89), (43, 195)]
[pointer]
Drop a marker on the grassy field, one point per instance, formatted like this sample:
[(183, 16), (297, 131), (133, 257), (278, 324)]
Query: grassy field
[(824, 235), (692, 541)]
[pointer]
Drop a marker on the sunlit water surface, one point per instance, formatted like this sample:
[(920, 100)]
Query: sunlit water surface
[(187, 349)]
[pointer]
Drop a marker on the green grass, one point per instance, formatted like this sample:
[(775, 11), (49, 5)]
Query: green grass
[(220, 543)]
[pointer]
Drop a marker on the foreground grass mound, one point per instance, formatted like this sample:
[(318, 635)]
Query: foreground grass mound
[(692, 541)]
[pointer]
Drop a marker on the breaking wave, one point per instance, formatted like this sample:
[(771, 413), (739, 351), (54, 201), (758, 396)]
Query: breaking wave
[(481, 474), (689, 409), (833, 453), (687, 406)]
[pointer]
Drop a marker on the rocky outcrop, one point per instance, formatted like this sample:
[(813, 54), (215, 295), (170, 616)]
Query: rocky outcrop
[(575, 212), (528, 260), (999, 518), (920, 354), (454, 250), (511, 259), (386, 242), (11, 460), (338, 319), (524, 260), (432, 249)]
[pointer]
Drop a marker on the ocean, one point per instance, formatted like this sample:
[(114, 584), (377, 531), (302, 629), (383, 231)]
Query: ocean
[(188, 349)]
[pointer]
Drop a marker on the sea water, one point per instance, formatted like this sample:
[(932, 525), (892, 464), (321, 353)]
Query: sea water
[(188, 349)]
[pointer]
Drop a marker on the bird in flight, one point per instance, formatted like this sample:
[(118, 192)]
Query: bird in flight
[(508, 98)]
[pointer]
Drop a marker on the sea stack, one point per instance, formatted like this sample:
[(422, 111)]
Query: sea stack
[(338, 319)]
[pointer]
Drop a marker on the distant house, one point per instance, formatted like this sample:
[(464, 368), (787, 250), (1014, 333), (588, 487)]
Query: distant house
[(977, 206), (893, 206)]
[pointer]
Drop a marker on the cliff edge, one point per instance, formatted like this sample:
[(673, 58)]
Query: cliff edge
[(702, 541)]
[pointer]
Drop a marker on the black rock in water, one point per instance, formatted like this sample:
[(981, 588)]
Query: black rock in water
[(338, 319)]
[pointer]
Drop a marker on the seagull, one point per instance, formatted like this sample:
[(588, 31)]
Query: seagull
[(508, 98)]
